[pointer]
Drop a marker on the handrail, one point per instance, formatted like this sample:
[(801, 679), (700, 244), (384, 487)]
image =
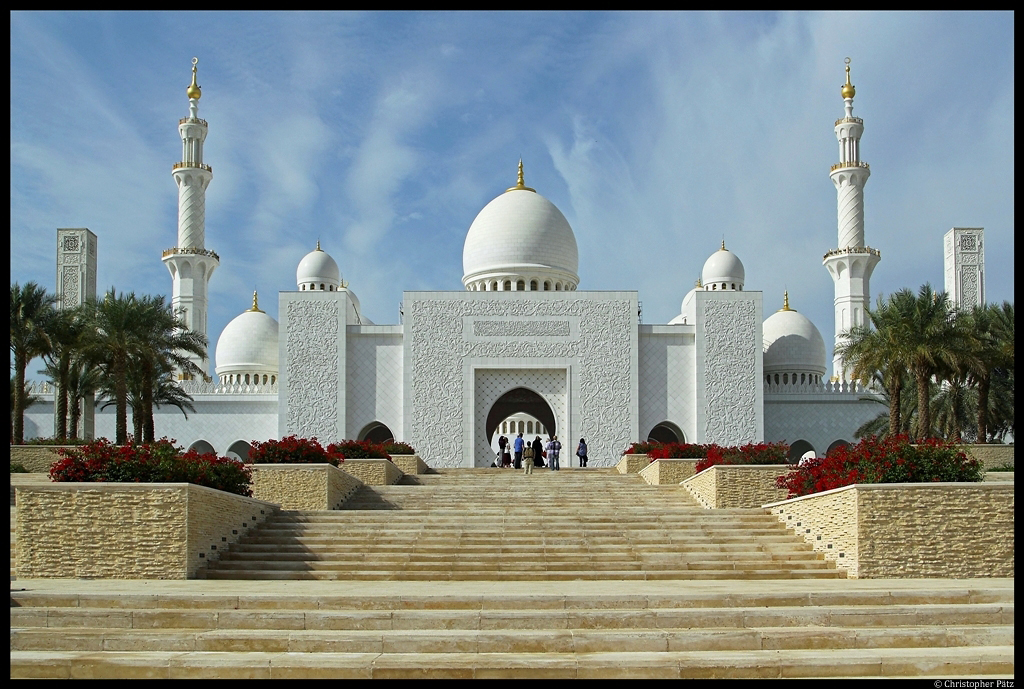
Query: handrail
[(201, 166), (192, 251), (849, 164), (853, 250)]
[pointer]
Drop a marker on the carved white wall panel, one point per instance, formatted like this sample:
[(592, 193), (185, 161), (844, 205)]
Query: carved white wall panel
[(445, 331), (374, 382), (313, 371), (729, 328)]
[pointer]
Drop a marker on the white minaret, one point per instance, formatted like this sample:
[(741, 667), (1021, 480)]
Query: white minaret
[(190, 262), (852, 263)]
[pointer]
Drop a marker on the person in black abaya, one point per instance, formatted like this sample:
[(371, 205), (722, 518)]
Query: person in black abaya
[(538, 452)]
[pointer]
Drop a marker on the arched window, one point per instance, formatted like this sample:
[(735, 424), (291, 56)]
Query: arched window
[(547, 285), (303, 288), (321, 287), (734, 285), (507, 286), (558, 286), (785, 379), (521, 285), (332, 288), (529, 426), (533, 285), (494, 286), (776, 378)]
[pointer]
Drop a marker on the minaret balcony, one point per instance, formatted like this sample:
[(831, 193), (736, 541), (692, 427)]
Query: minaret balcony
[(192, 251), (852, 250), (201, 166), (838, 166), (196, 120), (841, 120)]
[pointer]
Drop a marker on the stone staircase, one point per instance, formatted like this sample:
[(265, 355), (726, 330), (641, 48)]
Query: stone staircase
[(535, 629), (490, 574), (495, 524)]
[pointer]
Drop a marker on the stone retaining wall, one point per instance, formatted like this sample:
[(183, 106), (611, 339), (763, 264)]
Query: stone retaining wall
[(127, 530), (909, 530), (303, 486), (372, 472), (36, 458), (737, 485), (632, 464), (670, 472), (990, 455), (410, 464)]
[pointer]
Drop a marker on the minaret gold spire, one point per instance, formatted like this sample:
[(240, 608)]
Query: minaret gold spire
[(255, 303), (193, 90), (520, 182), (848, 90)]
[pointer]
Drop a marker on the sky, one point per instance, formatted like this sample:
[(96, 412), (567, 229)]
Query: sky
[(382, 135)]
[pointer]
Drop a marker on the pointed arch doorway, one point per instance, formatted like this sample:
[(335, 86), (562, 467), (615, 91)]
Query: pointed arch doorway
[(520, 401), (500, 393)]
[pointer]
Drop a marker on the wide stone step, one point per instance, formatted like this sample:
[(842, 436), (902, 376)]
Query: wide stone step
[(873, 616), (874, 662), (505, 640), (489, 575)]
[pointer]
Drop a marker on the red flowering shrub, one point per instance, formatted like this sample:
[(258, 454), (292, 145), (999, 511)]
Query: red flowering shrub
[(395, 448), (158, 462), (751, 453), (677, 451), (360, 449), (293, 450), (874, 460), (640, 448)]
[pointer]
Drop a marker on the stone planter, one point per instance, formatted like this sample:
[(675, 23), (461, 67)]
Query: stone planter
[(737, 485), (303, 486), (127, 530), (909, 530), (632, 464), (372, 472), (410, 464), (36, 458), (670, 472)]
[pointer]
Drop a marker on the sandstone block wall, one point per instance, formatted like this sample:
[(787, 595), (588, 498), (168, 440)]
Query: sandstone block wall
[(125, 530), (990, 455), (303, 486), (35, 458), (410, 464), (906, 530), (632, 464), (737, 485), (372, 472), (671, 472)]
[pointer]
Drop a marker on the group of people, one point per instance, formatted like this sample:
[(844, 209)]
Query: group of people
[(520, 454)]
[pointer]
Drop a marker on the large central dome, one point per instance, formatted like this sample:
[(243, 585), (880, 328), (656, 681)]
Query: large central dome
[(520, 241)]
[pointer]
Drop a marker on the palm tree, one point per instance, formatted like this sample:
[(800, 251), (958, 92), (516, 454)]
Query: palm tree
[(31, 305), (138, 341), (991, 331), (119, 325), (27, 400), (881, 348), (65, 330), (83, 380), (935, 343)]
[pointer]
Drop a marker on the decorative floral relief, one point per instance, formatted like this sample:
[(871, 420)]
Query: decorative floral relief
[(71, 243), (969, 287), (730, 374), (311, 360), (601, 351), (968, 242), (521, 328), (69, 287)]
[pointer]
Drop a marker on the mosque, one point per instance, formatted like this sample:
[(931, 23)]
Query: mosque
[(519, 349)]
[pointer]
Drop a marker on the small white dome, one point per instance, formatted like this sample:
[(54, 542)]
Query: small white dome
[(318, 268), (248, 345), (792, 344), (723, 267), (520, 235)]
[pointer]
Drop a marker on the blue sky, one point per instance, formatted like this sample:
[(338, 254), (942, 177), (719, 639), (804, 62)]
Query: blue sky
[(383, 134)]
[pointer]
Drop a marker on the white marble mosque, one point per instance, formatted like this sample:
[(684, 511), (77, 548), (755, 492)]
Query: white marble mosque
[(520, 347)]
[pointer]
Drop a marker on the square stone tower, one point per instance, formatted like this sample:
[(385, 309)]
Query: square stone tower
[(76, 283), (964, 266)]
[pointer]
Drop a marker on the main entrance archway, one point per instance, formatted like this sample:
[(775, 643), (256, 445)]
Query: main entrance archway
[(516, 401), (498, 393)]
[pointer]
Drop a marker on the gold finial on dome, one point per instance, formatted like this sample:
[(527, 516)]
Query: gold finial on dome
[(723, 245), (256, 303), (520, 183), (318, 244), (193, 90), (698, 284), (848, 90), (785, 302)]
